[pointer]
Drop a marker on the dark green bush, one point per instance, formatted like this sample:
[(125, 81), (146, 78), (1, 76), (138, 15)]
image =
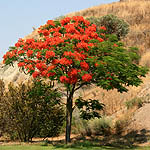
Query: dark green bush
[(113, 24), (30, 110)]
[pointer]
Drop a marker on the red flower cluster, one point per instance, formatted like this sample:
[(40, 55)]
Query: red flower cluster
[(84, 66), (115, 45), (64, 79), (65, 61), (29, 53), (51, 74), (103, 28), (62, 51), (35, 74), (51, 67), (86, 77), (41, 66), (21, 64), (51, 22), (9, 55), (73, 73), (20, 52), (49, 54)]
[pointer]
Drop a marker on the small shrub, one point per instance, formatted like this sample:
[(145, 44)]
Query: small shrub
[(120, 126), (97, 126), (95, 20), (101, 126), (134, 102), (80, 126), (113, 24)]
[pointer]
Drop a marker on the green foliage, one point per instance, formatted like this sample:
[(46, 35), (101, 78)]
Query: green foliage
[(78, 145), (88, 108), (133, 52), (113, 24), (134, 102), (30, 110), (117, 69)]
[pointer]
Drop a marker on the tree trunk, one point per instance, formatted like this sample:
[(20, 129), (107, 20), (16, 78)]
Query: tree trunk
[(68, 119)]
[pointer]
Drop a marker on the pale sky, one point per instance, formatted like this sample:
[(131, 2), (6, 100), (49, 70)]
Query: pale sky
[(17, 17)]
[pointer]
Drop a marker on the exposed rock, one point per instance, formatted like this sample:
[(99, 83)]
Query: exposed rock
[(142, 118), (12, 74)]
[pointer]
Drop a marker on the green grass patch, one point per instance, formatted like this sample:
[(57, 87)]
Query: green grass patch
[(77, 146)]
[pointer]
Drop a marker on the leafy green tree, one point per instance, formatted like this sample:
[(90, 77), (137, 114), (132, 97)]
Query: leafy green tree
[(30, 110), (74, 53)]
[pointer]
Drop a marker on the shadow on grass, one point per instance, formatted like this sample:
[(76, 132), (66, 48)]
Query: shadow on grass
[(86, 144), (112, 142), (109, 142)]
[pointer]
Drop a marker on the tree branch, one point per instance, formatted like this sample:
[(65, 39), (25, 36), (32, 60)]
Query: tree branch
[(82, 84)]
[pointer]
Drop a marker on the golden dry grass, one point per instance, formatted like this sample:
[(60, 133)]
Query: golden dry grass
[(113, 100), (145, 60)]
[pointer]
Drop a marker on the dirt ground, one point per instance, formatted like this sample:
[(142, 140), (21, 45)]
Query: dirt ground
[(140, 125)]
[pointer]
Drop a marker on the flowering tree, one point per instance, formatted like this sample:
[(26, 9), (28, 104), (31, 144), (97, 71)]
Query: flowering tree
[(73, 53)]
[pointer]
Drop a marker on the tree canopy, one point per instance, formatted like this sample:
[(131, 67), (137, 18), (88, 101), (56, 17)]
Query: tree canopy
[(74, 53)]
